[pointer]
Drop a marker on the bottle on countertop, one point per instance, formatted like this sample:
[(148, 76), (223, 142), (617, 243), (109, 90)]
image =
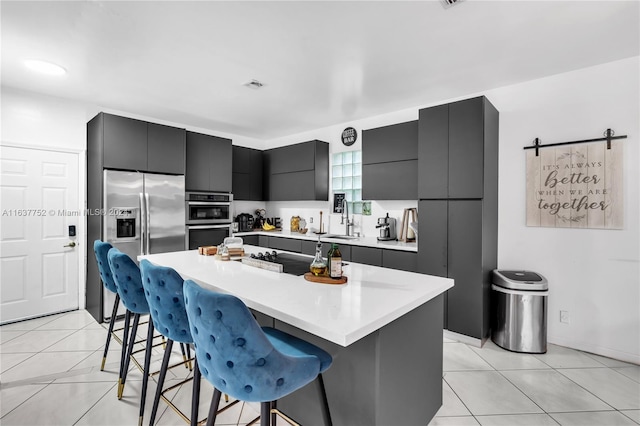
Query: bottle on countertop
[(318, 267), (334, 258)]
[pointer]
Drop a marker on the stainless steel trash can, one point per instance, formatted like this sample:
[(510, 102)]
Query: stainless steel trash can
[(519, 305)]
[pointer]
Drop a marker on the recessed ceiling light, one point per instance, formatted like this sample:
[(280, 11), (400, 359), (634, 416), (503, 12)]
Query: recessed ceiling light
[(449, 3), (254, 84), (44, 67)]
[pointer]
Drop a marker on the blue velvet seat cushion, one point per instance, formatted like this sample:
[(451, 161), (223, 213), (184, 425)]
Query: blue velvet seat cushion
[(126, 275), (163, 290), (296, 347), (237, 356), (101, 249)]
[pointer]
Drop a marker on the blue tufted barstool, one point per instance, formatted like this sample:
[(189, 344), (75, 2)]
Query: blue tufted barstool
[(249, 363), (163, 290), (126, 275), (101, 249)]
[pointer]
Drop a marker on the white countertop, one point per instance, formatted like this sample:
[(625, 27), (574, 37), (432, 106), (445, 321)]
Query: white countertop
[(372, 298), (360, 241)]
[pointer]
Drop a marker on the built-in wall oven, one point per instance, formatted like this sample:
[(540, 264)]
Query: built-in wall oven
[(208, 218)]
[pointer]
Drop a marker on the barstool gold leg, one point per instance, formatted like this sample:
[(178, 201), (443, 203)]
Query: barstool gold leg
[(104, 360), (120, 388)]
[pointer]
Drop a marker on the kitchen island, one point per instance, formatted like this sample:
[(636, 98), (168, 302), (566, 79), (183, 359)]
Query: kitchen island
[(383, 329)]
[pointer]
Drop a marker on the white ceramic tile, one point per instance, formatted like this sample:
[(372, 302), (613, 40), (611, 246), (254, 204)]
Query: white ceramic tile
[(43, 366), (13, 396), (69, 321), (609, 362), (34, 341), (593, 418), (631, 372), (632, 414), (459, 357), (451, 404), (61, 404), (554, 392), (502, 359), (454, 421), (488, 392), (81, 340), (30, 324), (517, 420), (6, 335), (561, 357), (619, 391), (110, 411), (8, 361)]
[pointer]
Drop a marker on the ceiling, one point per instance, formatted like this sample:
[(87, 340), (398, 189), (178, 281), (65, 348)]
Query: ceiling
[(321, 62)]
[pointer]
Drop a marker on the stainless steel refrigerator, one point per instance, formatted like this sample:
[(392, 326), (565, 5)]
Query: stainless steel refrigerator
[(144, 214)]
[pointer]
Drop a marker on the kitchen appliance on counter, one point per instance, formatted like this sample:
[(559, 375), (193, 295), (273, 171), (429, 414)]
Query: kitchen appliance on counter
[(208, 218), (245, 222), (387, 227), (144, 214)]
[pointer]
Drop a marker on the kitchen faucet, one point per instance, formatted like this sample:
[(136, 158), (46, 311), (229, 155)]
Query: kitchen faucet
[(345, 214)]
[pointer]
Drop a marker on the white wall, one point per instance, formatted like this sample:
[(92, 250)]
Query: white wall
[(593, 274)]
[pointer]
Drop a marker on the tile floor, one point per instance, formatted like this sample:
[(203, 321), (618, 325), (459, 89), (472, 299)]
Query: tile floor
[(50, 376)]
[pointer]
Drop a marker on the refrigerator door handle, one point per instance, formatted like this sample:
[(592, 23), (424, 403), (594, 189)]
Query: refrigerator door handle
[(147, 221), (143, 228)]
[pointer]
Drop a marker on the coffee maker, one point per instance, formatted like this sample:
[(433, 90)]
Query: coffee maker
[(245, 222), (387, 227)]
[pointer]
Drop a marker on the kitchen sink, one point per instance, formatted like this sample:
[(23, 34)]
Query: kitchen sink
[(341, 237)]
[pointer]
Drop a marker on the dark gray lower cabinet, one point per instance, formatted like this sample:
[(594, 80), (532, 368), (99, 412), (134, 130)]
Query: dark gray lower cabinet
[(252, 240), (454, 242), (309, 247), (287, 244), (402, 260), (263, 241), (366, 255)]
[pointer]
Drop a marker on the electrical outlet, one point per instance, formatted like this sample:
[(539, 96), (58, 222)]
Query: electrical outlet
[(311, 219), (564, 317)]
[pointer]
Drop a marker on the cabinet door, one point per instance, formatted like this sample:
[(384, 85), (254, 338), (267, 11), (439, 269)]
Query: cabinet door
[(402, 260), (366, 255), (242, 159), (432, 237), (390, 181), (252, 240), (255, 192), (198, 154), (166, 148), (433, 152), (263, 241), (397, 142), (125, 143), (288, 244), (466, 148), (293, 158), (466, 298), (241, 186), (220, 163), (292, 186)]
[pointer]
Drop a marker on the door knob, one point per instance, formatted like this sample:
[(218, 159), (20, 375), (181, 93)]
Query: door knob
[(71, 244)]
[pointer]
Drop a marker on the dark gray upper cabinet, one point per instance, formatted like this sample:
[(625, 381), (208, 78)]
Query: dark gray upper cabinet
[(209, 163), (166, 149), (454, 143), (433, 152), (397, 142), (390, 162), (131, 144), (124, 143), (390, 181), (247, 174), (297, 172)]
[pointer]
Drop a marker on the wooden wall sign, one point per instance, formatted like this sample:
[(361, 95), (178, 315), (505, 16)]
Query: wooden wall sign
[(577, 186)]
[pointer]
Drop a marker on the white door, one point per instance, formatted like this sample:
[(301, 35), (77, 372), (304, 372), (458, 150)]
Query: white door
[(39, 268)]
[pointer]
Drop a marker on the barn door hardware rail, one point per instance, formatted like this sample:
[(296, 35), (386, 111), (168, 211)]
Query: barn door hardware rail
[(608, 136)]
